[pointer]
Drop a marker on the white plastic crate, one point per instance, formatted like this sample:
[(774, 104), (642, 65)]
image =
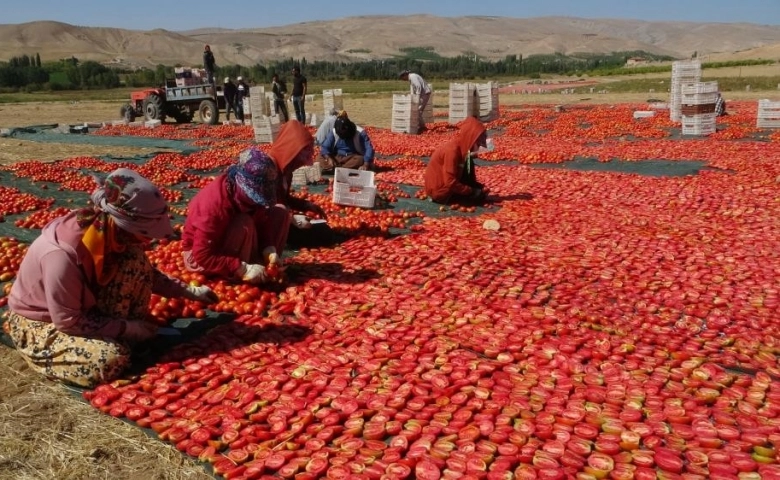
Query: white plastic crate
[(644, 114), (299, 177), (699, 87), (701, 130), (258, 91), (314, 173), (410, 126), (404, 117), (266, 128), (462, 90), (152, 123), (305, 175), (767, 123), (428, 111), (768, 110), (658, 106), (703, 124), (698, 98), (768, 115), (332, 100), (766, 104), (354, 188), (686, 65)]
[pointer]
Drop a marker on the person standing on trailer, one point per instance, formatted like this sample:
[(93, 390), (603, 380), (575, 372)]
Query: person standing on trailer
[(209, 64)]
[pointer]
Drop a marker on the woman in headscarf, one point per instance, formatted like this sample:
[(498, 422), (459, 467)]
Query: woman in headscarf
[(81, 297), (238, 224), (450, 175)]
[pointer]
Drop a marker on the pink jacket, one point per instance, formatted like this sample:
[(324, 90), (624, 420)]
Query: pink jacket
[(54, 283), (208, 216)]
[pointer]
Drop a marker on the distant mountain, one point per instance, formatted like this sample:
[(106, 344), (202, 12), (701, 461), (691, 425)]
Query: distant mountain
[(379, 37)]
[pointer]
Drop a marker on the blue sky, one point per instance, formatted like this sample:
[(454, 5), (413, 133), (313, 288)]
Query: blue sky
[(189, 14)]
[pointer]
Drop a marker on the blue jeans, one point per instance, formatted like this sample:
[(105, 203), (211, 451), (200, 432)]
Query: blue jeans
[(300, 110)]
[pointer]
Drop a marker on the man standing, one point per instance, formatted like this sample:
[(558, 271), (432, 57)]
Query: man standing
[(422, 89), (242, 91), (230, 91), (299, 94), (209, 64), (280, 103)]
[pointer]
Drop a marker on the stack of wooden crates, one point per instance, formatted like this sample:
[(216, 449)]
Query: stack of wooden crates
[(405, 118), (332, 100), (682, 72), (768, 114), (473, 100), (487, 93), (697, 108), (463, 100), (265, 125), (188, 76)]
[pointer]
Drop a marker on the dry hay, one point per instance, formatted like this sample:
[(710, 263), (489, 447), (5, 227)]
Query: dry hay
[(70, 113), (46, 433)]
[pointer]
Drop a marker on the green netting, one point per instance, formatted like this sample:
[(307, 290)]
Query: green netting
[(652, 168)]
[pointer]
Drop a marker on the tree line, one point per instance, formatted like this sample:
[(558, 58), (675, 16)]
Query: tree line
[(28, 73)]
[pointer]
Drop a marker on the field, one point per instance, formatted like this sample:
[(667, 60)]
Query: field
[(621, 323)]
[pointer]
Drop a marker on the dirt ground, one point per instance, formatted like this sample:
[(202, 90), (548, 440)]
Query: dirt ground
[(45, 432)]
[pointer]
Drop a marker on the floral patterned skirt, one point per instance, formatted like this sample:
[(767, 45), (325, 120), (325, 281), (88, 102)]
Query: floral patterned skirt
[(86, 362)]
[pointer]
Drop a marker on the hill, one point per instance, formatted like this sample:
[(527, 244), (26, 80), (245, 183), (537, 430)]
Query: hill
[(381, 37)]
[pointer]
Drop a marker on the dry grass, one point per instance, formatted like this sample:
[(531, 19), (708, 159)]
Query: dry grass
[(13, 150), (46, 433)]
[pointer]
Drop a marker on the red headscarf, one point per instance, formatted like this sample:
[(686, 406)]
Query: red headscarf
[(293, 137)]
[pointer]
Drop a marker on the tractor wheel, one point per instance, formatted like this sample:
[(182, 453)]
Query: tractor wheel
[(181, 113), (153, 108), (209, 113), (127, 112)]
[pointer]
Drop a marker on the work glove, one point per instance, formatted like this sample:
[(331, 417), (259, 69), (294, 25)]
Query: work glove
[(301, 221), (271, 257), (139, 331), (252, 273), (201, 294)]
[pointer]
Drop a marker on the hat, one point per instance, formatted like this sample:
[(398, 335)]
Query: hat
[(405, 72), (239, 78), (227, 79)]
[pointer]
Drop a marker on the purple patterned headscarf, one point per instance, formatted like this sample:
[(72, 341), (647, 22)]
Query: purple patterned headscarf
[(256, 175)]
